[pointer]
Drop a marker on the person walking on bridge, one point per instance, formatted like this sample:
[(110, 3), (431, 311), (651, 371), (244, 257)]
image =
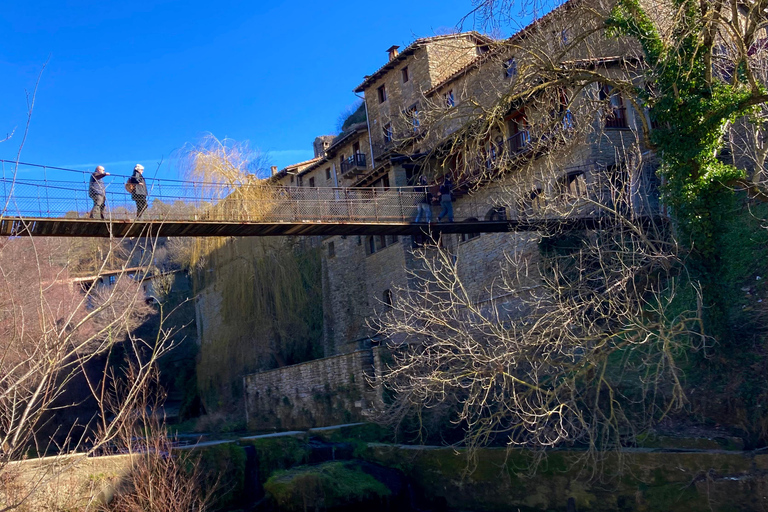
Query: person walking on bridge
[(446, 200), (424, 198), (98, 192), (139, 189)]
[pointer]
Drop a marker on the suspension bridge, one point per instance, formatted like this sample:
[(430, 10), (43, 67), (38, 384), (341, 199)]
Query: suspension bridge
[(52, 201)]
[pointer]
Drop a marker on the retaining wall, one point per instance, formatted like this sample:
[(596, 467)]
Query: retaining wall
[(317, 393)]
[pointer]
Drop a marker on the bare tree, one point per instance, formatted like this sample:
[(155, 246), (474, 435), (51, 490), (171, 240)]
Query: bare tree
[(56, 335), (585, 346)]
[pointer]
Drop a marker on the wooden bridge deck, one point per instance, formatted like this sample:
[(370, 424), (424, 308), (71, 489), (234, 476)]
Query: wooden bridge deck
[(79, 227)]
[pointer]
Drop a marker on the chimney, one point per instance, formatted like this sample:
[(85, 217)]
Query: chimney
[(393, 53), (274, 170)]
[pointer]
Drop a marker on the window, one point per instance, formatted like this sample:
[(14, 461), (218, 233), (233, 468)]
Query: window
[(405, 74), (331, 250), (535, 203), (382, 94), (449, 100), (561, 111), (617, 118), (510, 68), (382, 242), (328, 173), (291, 179), (564, 37), (371, 245), (112, 279), (413, 114), (311, 182), (392, 239), (356, 148), (520, 135), (572, 185), (388, 134)]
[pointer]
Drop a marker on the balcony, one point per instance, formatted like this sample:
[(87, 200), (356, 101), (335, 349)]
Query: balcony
[(617, 118), (353, 165), (519, 142)]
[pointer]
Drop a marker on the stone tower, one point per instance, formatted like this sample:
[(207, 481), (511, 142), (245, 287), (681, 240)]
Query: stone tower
[(321, 144)]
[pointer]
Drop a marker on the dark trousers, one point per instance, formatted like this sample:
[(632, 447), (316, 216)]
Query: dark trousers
[(99, 205), (141, 205)]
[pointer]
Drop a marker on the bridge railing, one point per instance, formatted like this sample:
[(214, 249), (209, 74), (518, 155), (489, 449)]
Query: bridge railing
[(212, 203), (25, 194)]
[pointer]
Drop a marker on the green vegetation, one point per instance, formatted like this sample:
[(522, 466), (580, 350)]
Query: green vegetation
[(265, 300), (277, 454), (692, 109), (325, 486), (223, 469), (358, 116)]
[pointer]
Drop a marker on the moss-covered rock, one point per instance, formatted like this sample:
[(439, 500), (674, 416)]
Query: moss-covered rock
[(332, 485), (277, 453)]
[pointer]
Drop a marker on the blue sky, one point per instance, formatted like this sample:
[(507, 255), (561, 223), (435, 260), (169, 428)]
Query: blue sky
[(130, 82)]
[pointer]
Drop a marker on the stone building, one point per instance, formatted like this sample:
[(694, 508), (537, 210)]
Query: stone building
[(415, 103), (419, 105)]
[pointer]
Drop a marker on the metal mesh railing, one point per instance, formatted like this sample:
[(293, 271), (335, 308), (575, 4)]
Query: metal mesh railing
[(44, 192)]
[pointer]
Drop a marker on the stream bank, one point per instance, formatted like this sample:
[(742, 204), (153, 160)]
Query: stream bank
[(348, 468)]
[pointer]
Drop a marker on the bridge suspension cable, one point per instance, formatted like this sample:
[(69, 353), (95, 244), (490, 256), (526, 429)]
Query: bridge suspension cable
[(60, 207)]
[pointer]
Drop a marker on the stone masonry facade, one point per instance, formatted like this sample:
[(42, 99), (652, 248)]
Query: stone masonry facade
[(328, 391), (362, 274)]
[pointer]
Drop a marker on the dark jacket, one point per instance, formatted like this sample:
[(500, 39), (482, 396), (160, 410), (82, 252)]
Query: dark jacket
[(445, 191), (96, 186), (141, 185), (425, 196)]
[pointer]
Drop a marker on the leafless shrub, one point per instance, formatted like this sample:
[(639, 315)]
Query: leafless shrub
[(578, 340), (56, 332), (161, 478)]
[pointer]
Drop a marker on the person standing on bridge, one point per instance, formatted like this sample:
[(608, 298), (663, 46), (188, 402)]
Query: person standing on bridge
[(98, 192), (424, 198), (446, 200), (139, 189)]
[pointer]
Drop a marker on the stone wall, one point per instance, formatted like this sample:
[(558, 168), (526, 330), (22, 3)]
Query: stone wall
[(317, 393)]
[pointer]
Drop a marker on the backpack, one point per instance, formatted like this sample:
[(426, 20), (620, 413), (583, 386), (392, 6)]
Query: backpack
[(130, 186)]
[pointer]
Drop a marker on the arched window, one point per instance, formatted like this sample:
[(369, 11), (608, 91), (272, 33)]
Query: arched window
[(387, 298)]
